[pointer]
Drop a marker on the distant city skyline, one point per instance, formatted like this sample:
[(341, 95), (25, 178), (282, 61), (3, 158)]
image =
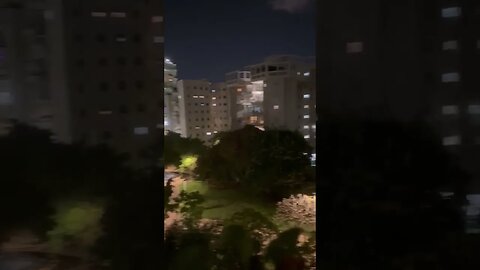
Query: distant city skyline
[(208, 39)]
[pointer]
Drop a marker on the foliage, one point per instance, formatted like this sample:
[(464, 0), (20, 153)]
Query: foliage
[(188, 163), (189, 205), (269, 163), (284, 251), (237, 248), (172, 147), (299, 209), (380, 203), (76, 224)]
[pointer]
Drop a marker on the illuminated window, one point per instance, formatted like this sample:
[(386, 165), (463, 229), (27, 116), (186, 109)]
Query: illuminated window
[(99, 14), (449, 109), (213, 91), (451, 12), (157, 19), (276, 107), (209, 133), (195, 96), (306, 116), (121, 38), (264, 85), (314, 126), (214, 98), (451, 140), (201, 96), (306, 96), (306, 136), (450, 77), (306, 74), (306, 127), (474, 109), (118, 15), (450, 45), (306, 106), (197, 127), (140, 130), (239, 89), (105, 112), (214, 104), (354, 47), (158, 39)]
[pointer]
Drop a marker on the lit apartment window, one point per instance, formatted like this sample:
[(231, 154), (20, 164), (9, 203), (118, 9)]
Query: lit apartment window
[(264, 85), (215, 132), (214, 104), (306, 74), (158, 39), (239, 89), (140, 130), (474, 109), (450, 109), (157, 19), (451, 140), (306, 106), (213, 91), (306, 136), (118, 15), (306, 127), (208, 133), (450, 77), (451, 12), (120, 38), (195, 96), (314, 126), (354, 47), (306, 96), (276, 107), (214, 98), (201, 96), (99, 14), (450, 45), (306, 116), (197, 127)]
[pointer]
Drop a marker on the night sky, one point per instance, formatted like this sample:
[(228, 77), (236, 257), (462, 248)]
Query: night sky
[(207, 38)]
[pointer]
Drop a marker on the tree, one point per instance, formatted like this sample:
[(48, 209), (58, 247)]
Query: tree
[(270, 163), (380, 203), (188, 163), (172, 147), (299, 209)]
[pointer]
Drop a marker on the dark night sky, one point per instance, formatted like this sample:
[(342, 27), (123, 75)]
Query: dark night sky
[(207, 38)]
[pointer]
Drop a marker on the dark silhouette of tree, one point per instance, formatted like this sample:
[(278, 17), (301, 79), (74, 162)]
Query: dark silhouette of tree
[(171, 147), (271, 163), (380, 205)]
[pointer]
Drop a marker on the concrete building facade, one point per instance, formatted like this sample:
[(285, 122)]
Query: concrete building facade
[(204, 109)]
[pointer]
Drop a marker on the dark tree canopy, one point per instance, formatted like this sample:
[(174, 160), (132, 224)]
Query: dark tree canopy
[(265, 162), (173, 147)]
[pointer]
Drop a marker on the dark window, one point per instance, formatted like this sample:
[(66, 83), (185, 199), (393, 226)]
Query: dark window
[(78, 38), (103, 86), (137, 38), (107, 135), (141, 107), (122, 85), (76, 12), (139, 84), (224, 96), (80, 63), (138, 61), (272, 68), (123, 109), (103, 61), (121, 61), (100, 38)]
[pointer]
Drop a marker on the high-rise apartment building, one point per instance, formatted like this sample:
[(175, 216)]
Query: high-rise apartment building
[(24, 74), (278, 93), (113, 57), (204, 109), (172, 109), (87, 70), (408, 60)]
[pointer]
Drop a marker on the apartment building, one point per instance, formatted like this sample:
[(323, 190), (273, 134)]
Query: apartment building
[(408, 60), (204, 109), (24, 74), (172, 109), (278, 93)]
